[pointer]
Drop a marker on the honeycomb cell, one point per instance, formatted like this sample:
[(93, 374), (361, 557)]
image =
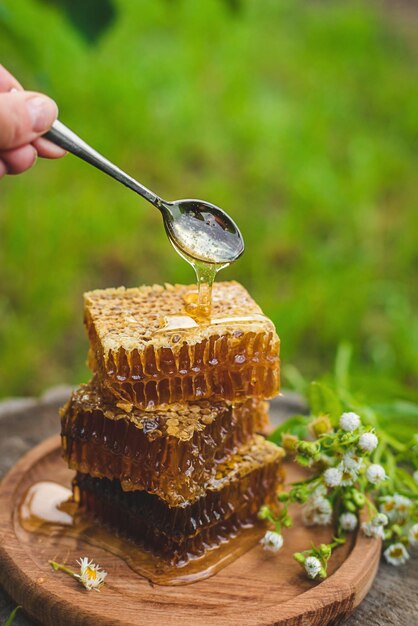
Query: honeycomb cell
[(171, 452), (149, 352)]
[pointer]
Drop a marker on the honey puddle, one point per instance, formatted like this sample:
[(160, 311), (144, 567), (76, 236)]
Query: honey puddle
[(48, 509)]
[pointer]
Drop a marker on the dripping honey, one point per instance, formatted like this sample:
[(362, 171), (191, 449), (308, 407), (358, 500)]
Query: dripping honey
[(199, 305)]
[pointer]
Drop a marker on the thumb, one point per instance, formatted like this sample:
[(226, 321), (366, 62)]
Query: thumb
[(24, 116)]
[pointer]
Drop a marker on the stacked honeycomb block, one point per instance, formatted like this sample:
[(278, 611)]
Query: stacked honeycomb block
[(164, 439)]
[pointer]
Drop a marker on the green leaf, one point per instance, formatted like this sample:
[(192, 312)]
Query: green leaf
[(296, 425), (12, 616), (295, 379), (399, 419), (407, 479), (324, 401), (342, 366)]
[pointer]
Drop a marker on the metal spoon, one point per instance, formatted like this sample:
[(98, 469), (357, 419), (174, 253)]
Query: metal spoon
[(198, 230)]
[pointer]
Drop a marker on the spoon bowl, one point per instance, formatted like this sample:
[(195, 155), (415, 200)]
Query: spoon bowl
[(202, 231)]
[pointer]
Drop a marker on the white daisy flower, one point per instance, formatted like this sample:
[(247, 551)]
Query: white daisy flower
[(350, 466), (91, 575), (349, 421), (402, 505), (352, 462), (413, 536), (388, 507), (272, 541), (312, 566), (375, 474), (348, 477), (317, 511), (368, 442), (348, 521), (396, 554), (333, 477), (380, 520), (319, 493), (372, 530), (415, 476), (396, 507)]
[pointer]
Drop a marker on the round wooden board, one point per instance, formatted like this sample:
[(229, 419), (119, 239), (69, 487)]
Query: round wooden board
[(257, 589)]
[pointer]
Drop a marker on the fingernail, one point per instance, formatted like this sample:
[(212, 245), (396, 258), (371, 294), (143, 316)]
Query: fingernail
[(42, 111)]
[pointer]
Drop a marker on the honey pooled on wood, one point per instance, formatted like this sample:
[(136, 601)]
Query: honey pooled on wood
[(61, 519)]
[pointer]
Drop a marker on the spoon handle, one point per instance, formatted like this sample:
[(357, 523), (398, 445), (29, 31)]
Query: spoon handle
[(65, 138)]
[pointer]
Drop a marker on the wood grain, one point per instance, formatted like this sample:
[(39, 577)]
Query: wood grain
[(258, 589)]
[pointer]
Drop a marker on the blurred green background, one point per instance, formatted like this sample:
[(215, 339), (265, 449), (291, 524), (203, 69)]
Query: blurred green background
[(299, 118)]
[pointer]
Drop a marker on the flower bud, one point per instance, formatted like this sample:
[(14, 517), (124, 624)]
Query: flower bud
[(298, 556), (303, 447), (396, 529), (349, 421), (359, 498), (325, 550), (264, 512), (350, 506), (308, 448), (289, 442), (321, 425), (375, 473), (300, 495)]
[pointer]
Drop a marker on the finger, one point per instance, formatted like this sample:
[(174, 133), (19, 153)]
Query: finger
[(24, 116), (7, 81), (20, 159), (47, 149), (3, 169)]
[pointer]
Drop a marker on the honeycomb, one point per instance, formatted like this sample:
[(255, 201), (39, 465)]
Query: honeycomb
[(149, 352), (232, 499), (170, 452)]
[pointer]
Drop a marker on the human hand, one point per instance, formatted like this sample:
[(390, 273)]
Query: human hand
[(24, 117)]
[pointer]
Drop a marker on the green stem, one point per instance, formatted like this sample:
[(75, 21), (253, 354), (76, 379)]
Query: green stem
[(391, 468), (381, 449), (58, 566), (371, 508)]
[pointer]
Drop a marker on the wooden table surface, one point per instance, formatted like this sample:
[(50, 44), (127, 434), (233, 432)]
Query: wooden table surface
[(393, 600)]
